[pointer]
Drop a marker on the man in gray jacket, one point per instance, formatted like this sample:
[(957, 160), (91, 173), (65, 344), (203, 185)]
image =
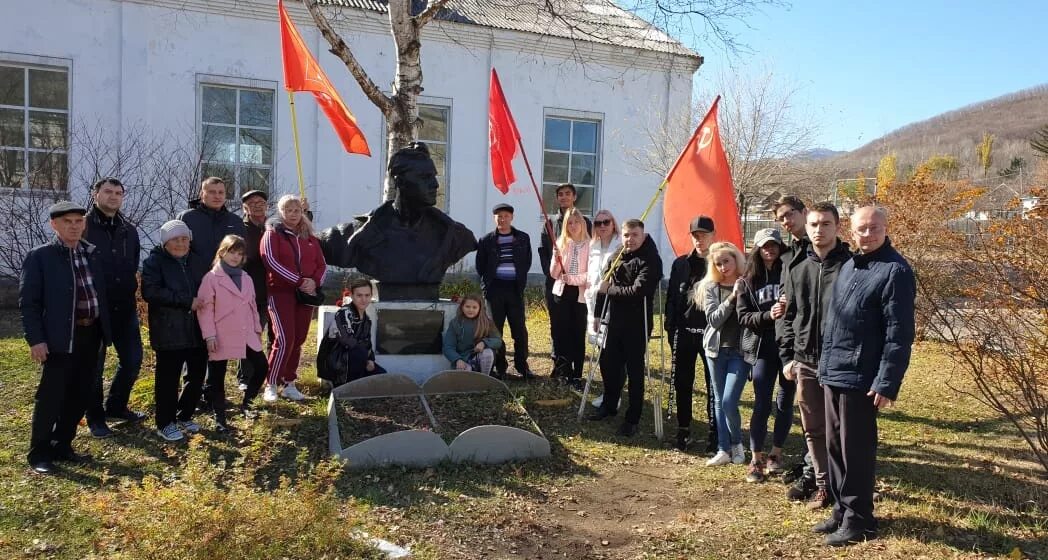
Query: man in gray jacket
[(869, 331)]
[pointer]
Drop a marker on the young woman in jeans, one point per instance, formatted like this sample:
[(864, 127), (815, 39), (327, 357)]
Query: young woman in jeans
[(758, 309), (717, 294)]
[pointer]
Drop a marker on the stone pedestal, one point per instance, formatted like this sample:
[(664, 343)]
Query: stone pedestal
[(406, 335)]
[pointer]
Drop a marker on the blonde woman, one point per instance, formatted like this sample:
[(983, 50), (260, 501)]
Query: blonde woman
[(294, 263), (721, 341), (568, 269)]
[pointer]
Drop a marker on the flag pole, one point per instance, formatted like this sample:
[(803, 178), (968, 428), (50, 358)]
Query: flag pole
[(298, 152), (542, 206)]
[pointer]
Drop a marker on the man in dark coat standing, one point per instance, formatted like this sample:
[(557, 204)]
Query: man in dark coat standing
[(503, 262), (630, 293), (868, 337), (117, 243), (65, 315), (255, 205)]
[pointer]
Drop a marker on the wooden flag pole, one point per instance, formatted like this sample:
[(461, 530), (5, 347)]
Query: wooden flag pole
[(542, 206), (298, 152)]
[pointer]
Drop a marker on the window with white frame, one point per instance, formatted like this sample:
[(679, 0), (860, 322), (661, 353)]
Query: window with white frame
[(571, 154), (236, 137), (436, 133), (34, 126)]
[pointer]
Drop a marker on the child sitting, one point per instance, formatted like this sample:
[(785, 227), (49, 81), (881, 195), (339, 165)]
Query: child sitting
[(471, 339), (346, 352)]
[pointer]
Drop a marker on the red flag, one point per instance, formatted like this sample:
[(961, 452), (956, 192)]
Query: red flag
[(502, 136), (700, 183), (302, 73)]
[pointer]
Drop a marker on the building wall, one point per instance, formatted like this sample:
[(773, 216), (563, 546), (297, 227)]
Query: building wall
[(143, 63)]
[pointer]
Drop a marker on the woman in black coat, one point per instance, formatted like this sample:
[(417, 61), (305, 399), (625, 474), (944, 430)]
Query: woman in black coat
[(171, 276)]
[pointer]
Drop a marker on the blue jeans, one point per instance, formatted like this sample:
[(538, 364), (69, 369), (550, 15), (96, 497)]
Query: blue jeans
[(127, 341), (766, 371), (729, 372)]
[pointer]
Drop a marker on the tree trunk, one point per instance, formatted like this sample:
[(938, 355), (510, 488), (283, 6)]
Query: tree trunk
[(402, 122)]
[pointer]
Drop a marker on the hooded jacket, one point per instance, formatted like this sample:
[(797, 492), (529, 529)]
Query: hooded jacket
[(754, 309), (169, 286), (47, 295), (290, 259), (119, 252), (209, 227), (869, 327), (809, 288), (633, 285)]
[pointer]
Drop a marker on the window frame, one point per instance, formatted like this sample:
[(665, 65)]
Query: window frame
[(203, 81), (47, 64), (598, 153)]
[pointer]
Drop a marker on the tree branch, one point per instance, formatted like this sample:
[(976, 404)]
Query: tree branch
[(340, 49), (429, 13)]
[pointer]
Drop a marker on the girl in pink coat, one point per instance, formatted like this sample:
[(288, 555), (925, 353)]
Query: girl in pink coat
[(230, 325)]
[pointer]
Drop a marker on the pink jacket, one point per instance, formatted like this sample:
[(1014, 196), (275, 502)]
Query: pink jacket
[(576, 259), (229, 314)]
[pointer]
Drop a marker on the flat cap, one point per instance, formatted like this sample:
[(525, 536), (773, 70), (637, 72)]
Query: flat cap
[(64, 207), (249, 194), (701, 223), (502, 207)]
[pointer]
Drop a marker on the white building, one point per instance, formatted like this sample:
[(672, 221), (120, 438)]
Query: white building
[(210, 71)]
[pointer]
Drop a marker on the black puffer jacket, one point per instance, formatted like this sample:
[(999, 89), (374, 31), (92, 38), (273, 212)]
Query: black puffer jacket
[(169, 286), (681, 309), (809, 287), (754, 310), (209, 227), (633, 286)]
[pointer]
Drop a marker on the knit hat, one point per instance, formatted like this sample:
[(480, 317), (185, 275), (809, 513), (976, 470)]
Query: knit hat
[(173, 229)]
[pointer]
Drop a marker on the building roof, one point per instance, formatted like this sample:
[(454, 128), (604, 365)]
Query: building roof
[(596, 21)]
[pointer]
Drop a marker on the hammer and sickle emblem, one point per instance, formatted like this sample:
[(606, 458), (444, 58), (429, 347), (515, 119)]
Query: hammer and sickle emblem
[(705, 138)]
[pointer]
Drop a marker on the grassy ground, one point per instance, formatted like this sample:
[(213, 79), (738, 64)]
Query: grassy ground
[(955, 483)]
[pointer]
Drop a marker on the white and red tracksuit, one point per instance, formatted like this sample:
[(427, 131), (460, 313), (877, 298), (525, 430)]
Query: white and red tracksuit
[(289, 260)]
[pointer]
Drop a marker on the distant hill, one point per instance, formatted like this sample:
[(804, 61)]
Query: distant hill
[(1012, 118), (816, 154)]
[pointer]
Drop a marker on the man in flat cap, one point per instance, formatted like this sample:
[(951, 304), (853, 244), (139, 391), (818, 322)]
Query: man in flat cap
[(255, 206), (503, 262), (65, 315)]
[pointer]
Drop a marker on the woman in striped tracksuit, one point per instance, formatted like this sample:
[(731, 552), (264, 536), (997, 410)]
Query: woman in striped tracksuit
[(293, 261)]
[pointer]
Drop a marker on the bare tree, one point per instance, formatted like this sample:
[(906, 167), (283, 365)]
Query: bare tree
[(706, 20)]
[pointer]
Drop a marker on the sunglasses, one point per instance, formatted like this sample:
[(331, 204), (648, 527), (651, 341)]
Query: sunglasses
[(599, 223)]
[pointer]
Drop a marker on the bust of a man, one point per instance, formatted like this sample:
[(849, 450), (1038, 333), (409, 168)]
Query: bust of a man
[(406, 243)]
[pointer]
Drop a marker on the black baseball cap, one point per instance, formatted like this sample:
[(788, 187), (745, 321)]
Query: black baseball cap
[(64, 207), (502, 207), (701, 223), (249, 194)]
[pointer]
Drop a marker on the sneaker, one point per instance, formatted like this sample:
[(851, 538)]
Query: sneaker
[(598, 401), (170, 432), (100, 430), (683, 439), (738, 454), (126, 415), (291, 393), (270, 394), (188, 426), (774, 465), (721, 458), (242, 387), (801, 490), (756, 472), (820, 499)]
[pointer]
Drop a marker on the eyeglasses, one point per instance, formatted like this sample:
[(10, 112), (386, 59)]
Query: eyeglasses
[(599, 223), (786, 215)]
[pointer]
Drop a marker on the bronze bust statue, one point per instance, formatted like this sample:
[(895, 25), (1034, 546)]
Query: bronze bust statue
[(406, 244)]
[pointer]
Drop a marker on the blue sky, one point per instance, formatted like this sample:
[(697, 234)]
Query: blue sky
[(867, 68)]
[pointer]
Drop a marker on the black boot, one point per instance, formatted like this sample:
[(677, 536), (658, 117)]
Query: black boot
[(711, 439), (683, 439)]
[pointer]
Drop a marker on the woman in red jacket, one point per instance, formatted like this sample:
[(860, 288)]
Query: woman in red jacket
[(294, 262)]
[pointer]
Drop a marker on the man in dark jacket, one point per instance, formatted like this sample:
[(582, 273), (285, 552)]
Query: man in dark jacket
[(869, 332), (209, 220), (566, 197), (255, 205), (685, 323), (503, 262), (791, 213), (630, 293), (808, 287), (65, 315), (117, 243)]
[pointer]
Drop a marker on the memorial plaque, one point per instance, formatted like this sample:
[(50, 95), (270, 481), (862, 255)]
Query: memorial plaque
[(410, 331)]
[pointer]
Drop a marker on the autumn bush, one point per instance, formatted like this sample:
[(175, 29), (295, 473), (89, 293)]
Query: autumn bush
[(984, 291), (210, 513)]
